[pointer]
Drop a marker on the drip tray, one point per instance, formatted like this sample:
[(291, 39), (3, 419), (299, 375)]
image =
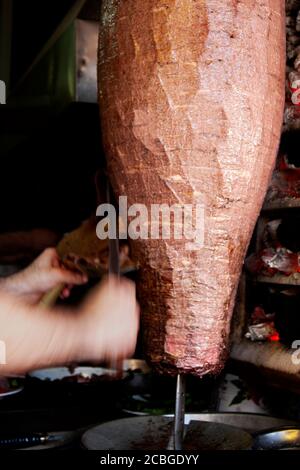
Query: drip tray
[(156, 433)]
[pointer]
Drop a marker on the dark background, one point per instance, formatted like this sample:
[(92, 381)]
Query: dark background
[(49, 153)]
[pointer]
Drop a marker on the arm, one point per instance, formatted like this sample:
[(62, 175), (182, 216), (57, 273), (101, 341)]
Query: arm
[(104, 328)]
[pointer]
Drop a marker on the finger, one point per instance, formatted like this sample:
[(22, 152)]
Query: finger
[(65, 293), (128, 300), (55, 262), (126, 352), (48, 259), (128, 286), (70, 277)]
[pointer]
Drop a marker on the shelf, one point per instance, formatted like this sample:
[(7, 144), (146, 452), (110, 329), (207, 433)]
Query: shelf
[(281, 204), (281, 279), (292, 280), (271, 363)]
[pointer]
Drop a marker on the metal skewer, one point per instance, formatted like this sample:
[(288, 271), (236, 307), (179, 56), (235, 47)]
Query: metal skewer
[(179, 412)]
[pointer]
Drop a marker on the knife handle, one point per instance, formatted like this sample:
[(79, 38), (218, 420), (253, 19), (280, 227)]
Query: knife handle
[(50, 298)]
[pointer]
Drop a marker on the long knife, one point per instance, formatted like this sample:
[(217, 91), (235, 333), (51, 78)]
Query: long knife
[(114, 252), (114, 262)]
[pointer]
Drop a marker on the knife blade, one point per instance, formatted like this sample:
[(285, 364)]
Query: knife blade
[(114, 263), (114, 248)]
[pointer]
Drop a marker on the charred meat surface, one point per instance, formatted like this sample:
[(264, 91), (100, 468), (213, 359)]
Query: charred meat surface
[(191, 96)]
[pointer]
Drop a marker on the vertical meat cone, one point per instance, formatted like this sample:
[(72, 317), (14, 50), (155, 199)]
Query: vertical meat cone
[(191, 95)]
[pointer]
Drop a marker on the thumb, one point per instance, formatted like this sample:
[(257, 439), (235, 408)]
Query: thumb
[(66, 276)]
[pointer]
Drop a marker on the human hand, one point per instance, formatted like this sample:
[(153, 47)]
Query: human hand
[(45, 273), (109, 321)]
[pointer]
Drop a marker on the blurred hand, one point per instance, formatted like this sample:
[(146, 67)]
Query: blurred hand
[(42, 275), (110, 321)]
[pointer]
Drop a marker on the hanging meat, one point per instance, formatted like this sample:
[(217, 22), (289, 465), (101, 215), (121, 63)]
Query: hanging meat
[(191, 96)]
